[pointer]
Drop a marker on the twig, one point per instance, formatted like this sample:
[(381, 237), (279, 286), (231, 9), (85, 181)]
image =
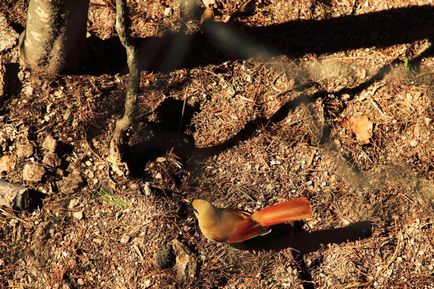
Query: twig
[(14, 217), (374, 102)]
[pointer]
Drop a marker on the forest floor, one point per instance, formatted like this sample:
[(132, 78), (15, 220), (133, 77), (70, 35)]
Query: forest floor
[(331, 100)]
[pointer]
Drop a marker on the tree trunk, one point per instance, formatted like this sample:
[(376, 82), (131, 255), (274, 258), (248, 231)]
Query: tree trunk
[(54, 39), (133, 87)]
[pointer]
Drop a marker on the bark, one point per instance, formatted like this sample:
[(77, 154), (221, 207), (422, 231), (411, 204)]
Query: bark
[(54, 39), (130, 106)]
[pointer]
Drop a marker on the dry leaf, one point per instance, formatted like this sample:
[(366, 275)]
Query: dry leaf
[(186, 263), (361, 126)]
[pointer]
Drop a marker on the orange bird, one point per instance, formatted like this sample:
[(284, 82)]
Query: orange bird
[(235, 226)]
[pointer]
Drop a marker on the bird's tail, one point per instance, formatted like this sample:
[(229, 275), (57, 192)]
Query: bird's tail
[(292, 210)]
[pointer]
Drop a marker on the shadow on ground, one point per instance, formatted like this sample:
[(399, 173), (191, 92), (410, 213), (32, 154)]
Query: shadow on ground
[(219, 42), (302, 242)]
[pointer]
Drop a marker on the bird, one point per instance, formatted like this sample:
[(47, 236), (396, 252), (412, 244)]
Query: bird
[(236, 226)]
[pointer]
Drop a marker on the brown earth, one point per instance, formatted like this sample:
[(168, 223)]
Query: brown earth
[(332, 100)]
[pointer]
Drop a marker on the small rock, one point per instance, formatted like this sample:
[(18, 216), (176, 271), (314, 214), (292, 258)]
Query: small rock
[(168, 12), (80, 282), (24, 150), (33, 172), (78, 215), (147, 284), (73, 203), (7, 163), (51, 159), (158, 176), (160, 160), (67, 114), (27, 90), (125, 238), (49, 144), (147, 189)]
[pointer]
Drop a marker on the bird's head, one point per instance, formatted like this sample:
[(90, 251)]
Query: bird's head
[(202, 208)]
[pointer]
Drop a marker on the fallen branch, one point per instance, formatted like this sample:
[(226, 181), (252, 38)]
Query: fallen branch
[(13, 196)]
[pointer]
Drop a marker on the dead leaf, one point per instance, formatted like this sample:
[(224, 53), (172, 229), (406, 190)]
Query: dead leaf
[(186, 263), (361, 126)]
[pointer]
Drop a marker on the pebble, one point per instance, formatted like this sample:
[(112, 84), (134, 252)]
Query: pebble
[(160, 160), (78, 215), (33, 172), (24, 150), (168, 12), (73, 203), (125, 238), (147, 189)]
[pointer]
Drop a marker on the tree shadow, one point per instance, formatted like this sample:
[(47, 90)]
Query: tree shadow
[(302, 242), (220, 42), (155, 138), (12, 85), (175, 117)]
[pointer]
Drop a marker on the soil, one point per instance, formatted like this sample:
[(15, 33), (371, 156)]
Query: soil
[(269, 100)]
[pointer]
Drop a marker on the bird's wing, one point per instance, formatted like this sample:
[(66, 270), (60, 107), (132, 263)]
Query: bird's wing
[(247, 228)]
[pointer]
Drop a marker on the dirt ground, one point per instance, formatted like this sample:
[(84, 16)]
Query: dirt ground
[(273, 99)]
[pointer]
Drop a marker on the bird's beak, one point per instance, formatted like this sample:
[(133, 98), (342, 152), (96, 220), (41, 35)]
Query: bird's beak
[(189, 204)]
